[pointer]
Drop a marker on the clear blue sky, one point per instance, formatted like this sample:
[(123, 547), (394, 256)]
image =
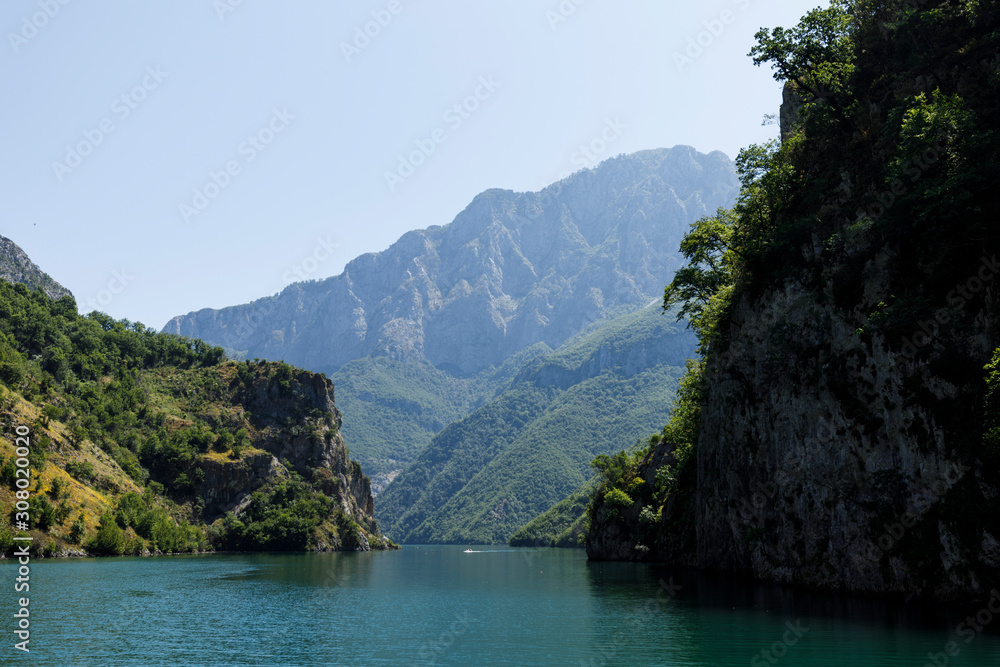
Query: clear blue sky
[(153, 98)]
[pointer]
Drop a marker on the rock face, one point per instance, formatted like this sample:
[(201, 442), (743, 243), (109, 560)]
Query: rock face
[(849, 472), (17, 267), (849, 433), (791, 108), (228, 484), (512, 270), (297, 426)]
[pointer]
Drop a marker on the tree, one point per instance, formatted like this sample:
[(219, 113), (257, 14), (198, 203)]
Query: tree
[(707, 247), (109, 540), (817, 55)]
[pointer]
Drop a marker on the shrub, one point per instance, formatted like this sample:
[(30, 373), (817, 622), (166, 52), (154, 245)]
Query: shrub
[(109, 540), (57, 489), (77, 530), (43, 512), (81, 470), (616, 501)]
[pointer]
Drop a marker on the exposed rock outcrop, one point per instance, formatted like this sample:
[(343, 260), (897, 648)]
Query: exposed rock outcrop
[(512, 270), (17, 267), (297, 426)]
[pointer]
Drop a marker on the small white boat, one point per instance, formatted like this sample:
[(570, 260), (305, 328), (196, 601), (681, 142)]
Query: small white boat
[(468, 551)]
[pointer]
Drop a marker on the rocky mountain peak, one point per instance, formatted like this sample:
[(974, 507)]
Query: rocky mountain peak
[(17, 267)]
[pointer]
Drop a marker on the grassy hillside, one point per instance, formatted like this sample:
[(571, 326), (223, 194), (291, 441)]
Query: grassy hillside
[(482, 478), (144, 441)]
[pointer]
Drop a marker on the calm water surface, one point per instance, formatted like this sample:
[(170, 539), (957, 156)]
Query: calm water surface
[(438, 605)]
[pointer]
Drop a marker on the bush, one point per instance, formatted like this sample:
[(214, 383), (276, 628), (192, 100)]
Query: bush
[(57, 490), (81, 470), (6, 539), (77, 530), (223, 442), (7, 472), (616, 501), (109, 540), (50, 549), (43, 513)]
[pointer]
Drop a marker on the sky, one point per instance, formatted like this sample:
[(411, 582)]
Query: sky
[(162, 157)]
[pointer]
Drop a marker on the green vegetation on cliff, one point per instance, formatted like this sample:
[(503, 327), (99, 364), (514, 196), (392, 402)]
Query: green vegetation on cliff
[(845, 308), (146, 441)]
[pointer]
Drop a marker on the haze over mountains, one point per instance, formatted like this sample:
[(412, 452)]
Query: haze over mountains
[(511, 270), (450, 320)]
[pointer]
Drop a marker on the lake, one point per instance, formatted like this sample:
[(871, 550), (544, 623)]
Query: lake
[(438, 605)]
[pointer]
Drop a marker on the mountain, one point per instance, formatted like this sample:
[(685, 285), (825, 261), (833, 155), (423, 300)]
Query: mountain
[(417, 336), (141, 442), (483, 477), (564, 524), (842, 430), (511, 270), (394, 408), (16, 267)]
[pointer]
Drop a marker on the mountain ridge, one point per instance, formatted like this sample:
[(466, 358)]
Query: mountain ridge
[(511, 268), (17, 267)]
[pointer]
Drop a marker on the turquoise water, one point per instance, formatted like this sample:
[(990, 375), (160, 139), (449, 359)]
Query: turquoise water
[(438, 605)]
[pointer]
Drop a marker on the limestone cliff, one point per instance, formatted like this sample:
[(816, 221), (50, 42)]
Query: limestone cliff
[(295, 429), (846, 434)]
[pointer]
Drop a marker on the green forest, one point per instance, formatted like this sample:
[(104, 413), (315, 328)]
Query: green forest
[(124, 422)]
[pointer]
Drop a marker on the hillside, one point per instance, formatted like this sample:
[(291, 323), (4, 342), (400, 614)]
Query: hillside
[(395, 407), (563, 525), (485, 476), (841, 430), (141, 441), (17, 267), (419, 335)]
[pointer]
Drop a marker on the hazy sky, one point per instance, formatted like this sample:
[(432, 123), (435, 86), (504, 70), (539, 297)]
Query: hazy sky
[(161, 157)]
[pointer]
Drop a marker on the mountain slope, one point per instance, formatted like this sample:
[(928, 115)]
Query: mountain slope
[(419, 335), (512, 270), (394, 408), (483, 477), (17, 267), (141, 441), (562, 525)]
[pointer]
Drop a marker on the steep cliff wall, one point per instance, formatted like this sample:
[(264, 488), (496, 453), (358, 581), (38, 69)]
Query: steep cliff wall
[(846, 436), (828, 460), (296, 424)]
